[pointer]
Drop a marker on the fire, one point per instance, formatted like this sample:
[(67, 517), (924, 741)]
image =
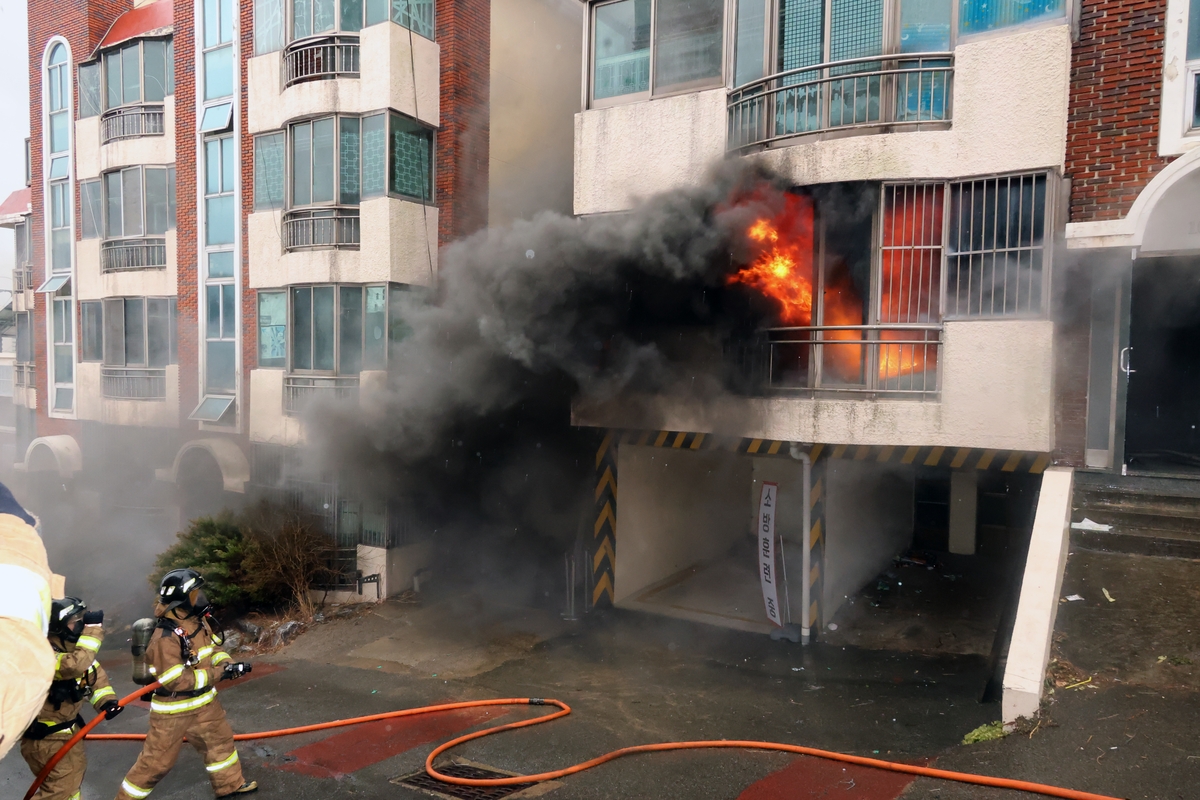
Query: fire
[(783, 267)]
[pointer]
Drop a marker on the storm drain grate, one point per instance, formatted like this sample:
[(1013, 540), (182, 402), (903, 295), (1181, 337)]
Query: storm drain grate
[(422, 780)]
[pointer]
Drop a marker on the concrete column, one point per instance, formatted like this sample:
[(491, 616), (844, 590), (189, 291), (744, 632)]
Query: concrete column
[(964, 493)]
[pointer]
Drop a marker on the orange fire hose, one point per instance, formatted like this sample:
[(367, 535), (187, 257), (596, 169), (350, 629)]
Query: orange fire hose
[(564, 710)]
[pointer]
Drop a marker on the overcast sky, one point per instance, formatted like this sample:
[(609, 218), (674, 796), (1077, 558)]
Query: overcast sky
[(14, 118)]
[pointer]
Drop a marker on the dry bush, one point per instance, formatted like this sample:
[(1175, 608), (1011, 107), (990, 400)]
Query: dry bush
[(287, 552)]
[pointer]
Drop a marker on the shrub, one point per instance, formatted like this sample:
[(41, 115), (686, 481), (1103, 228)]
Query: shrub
[(215, 547)]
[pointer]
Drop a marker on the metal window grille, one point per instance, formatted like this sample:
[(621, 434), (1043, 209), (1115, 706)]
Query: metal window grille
[(128, 122), (308, 229), (995, 247), (133, 384), (123, 255), (299, 391), (334, 57)]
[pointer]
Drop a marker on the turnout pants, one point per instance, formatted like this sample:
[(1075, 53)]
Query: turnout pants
[(207, 730), (64, 781)]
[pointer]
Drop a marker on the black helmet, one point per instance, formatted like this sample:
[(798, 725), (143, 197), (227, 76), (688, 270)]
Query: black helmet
[(180, 588), (66, 618)]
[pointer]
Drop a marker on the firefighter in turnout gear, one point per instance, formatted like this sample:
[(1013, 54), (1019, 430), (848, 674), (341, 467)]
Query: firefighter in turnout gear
[(75, 634), (183, 656)]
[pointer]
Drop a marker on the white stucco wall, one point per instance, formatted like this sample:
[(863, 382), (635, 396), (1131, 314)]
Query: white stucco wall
[(268, 423), (997, 393), (677, 508), (90, 284), (93, 158), (387, 65), (1009, 109), (91, 405), (399, 243)]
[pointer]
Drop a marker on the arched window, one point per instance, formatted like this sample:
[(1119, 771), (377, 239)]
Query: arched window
[(59, 110), (58, 97)]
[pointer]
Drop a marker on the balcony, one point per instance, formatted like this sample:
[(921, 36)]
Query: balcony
[(131, 122), (23, 279), (321, 229), (24, 375), (895, 360), (888, 93), (299, 391), (320, 59), (131, 383), (127, 255)]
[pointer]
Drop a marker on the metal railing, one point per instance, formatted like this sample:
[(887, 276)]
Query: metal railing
[(299, 391), (24, 375), (22, 279), (896, 359), (894, 91), (124, 255), (307, 229), (133, 383), (320, 59), (129, 122)]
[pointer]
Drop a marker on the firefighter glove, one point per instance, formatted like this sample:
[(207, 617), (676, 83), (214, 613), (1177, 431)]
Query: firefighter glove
[(111, 708), (93, 617), (236, 670)]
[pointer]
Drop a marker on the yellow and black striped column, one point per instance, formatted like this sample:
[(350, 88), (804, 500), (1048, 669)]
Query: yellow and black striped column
[(816, 540), (604, 531)]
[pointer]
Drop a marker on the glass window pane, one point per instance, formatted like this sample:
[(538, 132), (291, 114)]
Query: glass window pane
[(301, 18), (268, 26), (58, 205), (171, 196), (218, 220), (170, 66), (688, 42), (220, 367), (272, 329), (64, 399), (228, 164), (924, 26), (1193, 40), (59, 167), (131, 89), (621, 45), (324, 15), (154, 70), (302, 328), (416, 15), (212, 167), (352, 15), (212, 26), (377, 11), (112, 194), (975, 16), (348, 156), (751, 35), (63, 364), (112, 78), (217, 118), (91, 332), (269, 153), (60, 135), (54, 87), (60, 250), (158, 332), (218, 73), (855, 29), (398, 329), (131, 195), (228, 311), (89, 90), (226, 28), (135, 332), (302, 164), (351, 330), (323, 327), (411, 159), (212, 311), (323, 163), (220, 264), (91, 209), (156, 202), (374, 155), (374, 328)]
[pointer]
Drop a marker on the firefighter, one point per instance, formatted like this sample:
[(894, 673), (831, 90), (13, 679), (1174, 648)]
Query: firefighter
[(183, 656), (75, 634)]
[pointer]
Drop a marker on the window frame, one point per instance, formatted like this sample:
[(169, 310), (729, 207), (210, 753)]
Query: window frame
[(139, 44), (62, 309), (108, 318), (338, 315), (142, 170), (289, 15), (59, 192)]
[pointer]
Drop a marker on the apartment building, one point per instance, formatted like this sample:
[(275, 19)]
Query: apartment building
[(229, 206), (908, 398)]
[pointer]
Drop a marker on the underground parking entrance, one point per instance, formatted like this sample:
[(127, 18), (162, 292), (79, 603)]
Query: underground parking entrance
[(906, 552)]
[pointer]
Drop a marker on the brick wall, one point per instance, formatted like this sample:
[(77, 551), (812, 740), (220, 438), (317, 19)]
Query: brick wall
[(249, 296), (186, 219), (1112, 126), (464, 36)]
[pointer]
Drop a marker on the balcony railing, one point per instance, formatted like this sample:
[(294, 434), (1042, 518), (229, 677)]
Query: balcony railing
[(319, 59), (898, 359), (321, 228), (133, 383), (24, 375), (22, 279), (124, 255), (129, 122), (299, 391), (893, 92)]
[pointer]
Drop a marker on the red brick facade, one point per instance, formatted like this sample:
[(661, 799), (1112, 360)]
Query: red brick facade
[(1112, 127), (464, 36), (186, 218)]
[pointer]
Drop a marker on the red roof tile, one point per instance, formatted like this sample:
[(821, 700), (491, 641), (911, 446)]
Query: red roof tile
[(136, 22), (17, 203)]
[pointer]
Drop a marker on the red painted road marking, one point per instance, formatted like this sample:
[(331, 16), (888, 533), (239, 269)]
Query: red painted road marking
[(810, 778), (364, 745)]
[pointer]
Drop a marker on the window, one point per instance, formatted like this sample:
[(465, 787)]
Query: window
[(92, 212), (137, 72), (218, 49), (25, 337), (220, 328), (316, 17), (976, 16), (136, 203), (220, 166), (340, 160), (338, 329), (137, 332), (268, 26), (91, 330), (60, 227), (89, 90), (687, 52), (1193, 65), (58, 93), (272, 329), (21, 237), (63, 357)]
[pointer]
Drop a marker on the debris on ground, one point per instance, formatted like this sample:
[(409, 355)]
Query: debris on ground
[(1089, 525), (1061, 674), (1074, 598), (986, 733), (916, 558), (1108, 596)]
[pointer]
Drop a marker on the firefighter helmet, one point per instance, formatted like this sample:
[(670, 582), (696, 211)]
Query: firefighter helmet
[(66, 618), (180, 588)]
